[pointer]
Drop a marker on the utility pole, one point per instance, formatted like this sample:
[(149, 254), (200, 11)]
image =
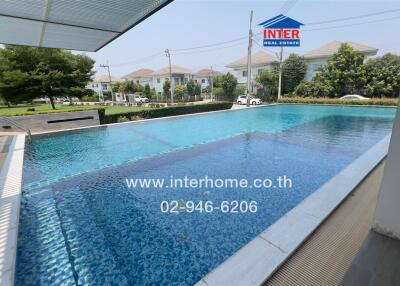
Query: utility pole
[(249, 60), (212, 84), (280, 74), (107, 66), (167, 53)]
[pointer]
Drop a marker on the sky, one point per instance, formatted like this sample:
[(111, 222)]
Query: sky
[(187, 24)]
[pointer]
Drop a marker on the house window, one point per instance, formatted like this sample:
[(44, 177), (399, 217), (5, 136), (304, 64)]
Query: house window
[(316, 67), (259, 71), (176, 80), (137, 81), (159, 93), (104, 86), (195, 80), (203, 80), (244, 73), (158, 80)]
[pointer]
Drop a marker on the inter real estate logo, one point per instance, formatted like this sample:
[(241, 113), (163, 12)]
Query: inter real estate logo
[(281, 31)]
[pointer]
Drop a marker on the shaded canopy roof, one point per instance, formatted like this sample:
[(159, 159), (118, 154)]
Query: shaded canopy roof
[(139, 73), (332, 47), (257, 59), (207, 72), (76, 25), (175, 70)]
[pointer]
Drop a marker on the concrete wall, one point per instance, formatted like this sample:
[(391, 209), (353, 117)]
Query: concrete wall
[(387, 212), (45, 122)]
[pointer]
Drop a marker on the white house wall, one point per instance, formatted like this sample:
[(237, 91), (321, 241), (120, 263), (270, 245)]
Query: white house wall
[(242, 78), (313, 66)]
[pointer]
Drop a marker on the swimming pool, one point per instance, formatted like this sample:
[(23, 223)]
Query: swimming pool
[(80, 224)]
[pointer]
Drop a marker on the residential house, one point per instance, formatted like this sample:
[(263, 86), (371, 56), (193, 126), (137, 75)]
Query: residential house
[(100, 84), (319, 57), (141, 76), (259, 61), (180, 76), (203, 77)]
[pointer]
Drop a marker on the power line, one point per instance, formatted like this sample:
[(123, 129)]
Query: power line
[(287, 6), (353, 24), (353, 17), (208, 50), (210, 45)]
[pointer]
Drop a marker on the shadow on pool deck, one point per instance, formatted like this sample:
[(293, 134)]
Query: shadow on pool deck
[(326, 256)]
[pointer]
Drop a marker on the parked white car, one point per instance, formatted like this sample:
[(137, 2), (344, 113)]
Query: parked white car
[(138, 99), (144, 99), (242, 99), (354, 97)]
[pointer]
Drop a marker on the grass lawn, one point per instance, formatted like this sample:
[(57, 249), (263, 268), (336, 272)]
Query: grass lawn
[(43, 108)]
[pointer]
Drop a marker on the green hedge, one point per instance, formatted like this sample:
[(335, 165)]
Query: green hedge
[(313, 100), (165, 111)]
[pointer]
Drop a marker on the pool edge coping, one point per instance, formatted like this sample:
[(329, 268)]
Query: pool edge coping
[(67, 130), (256, 261), (10, 202), (34, 134)]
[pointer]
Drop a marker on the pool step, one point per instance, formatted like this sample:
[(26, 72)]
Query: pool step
[(90, 254), (45, 259)]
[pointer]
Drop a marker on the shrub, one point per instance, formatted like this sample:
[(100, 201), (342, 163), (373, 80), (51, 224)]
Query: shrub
[(165, 111), (311, 100), (313, 89), (123, 119), (88, 98), (218, 92), (179, 91), (240, 90)]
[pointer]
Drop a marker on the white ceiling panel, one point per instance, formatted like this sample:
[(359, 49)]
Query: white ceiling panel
[(28, 32), (71, 24)]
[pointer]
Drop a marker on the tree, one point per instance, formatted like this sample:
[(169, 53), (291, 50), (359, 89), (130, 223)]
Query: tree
[(240, 90), (267, 83), (179, 91), (166, 88), (128, 86), (228, 84), (294, 70), (197, 89), (191, 86), (383, 76), (138, 87), (15, 88), (314, 89), (49, 72), (217, 80), (116, 87), (147, 91), (343, 72)]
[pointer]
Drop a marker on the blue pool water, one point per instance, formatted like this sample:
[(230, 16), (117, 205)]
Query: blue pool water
[(81, 225)]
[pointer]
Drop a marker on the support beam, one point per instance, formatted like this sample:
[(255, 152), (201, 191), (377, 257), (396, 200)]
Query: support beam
[(387, 212)]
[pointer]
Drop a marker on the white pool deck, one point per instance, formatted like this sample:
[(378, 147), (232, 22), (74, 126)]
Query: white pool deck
[(260, 258), (252, 264), (10, 200)]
